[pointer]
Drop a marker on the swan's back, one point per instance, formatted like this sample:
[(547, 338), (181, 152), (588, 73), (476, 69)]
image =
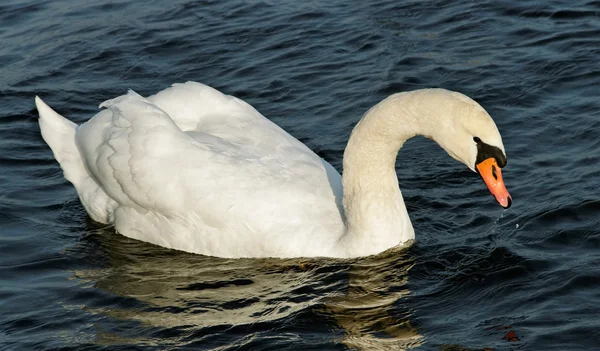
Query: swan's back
[(193, 169), (196, 107)]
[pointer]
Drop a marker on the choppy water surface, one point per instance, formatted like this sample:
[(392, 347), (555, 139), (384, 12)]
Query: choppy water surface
[(478, 278)]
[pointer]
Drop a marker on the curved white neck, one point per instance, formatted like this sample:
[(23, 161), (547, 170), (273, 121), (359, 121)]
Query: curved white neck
[(376, 216)]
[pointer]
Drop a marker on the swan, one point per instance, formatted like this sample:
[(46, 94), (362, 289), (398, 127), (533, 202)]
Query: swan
[(193, 169)]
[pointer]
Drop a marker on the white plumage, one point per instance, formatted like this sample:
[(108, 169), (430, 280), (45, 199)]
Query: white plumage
[(196, 170)]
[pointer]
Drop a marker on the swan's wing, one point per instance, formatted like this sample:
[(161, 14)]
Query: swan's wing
[(122, 144), (197, 107), (144, 161)]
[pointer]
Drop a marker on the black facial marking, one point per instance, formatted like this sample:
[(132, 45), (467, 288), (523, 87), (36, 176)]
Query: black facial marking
[(485, 151)]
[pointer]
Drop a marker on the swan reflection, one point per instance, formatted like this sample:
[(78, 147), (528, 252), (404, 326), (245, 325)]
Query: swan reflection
[(357, 302)]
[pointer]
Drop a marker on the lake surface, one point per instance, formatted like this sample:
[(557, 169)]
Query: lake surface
[(477, 278)]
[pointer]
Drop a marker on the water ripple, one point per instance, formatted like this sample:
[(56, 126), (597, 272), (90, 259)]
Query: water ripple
[(478, 277)]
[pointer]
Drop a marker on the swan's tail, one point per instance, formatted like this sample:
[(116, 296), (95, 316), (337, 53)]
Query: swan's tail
[(59, 133)]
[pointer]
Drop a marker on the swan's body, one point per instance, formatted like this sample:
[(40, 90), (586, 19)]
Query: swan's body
[(195, 170)]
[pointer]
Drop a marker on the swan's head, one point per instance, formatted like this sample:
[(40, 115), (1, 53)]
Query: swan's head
[(468, 133)]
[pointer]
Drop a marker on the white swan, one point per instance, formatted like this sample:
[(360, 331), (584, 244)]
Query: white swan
[(196, 170)]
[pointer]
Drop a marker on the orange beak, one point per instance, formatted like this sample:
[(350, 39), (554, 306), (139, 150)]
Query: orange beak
[(492, 176)]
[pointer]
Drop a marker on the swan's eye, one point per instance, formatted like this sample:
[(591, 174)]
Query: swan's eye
[(477, 140)]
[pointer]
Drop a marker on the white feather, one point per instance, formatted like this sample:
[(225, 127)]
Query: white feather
[(196, 170)]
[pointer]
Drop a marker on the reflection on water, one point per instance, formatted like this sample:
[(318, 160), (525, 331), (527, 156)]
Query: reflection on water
[(369, 312), (184, 297)]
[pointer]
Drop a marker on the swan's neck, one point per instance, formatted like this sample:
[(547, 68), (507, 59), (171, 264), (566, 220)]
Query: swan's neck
[(376, 216)]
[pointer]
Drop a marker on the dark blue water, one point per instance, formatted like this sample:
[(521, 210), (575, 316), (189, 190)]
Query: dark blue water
[(478, 277)]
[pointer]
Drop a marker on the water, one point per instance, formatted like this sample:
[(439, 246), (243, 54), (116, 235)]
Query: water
[(478, 277)]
